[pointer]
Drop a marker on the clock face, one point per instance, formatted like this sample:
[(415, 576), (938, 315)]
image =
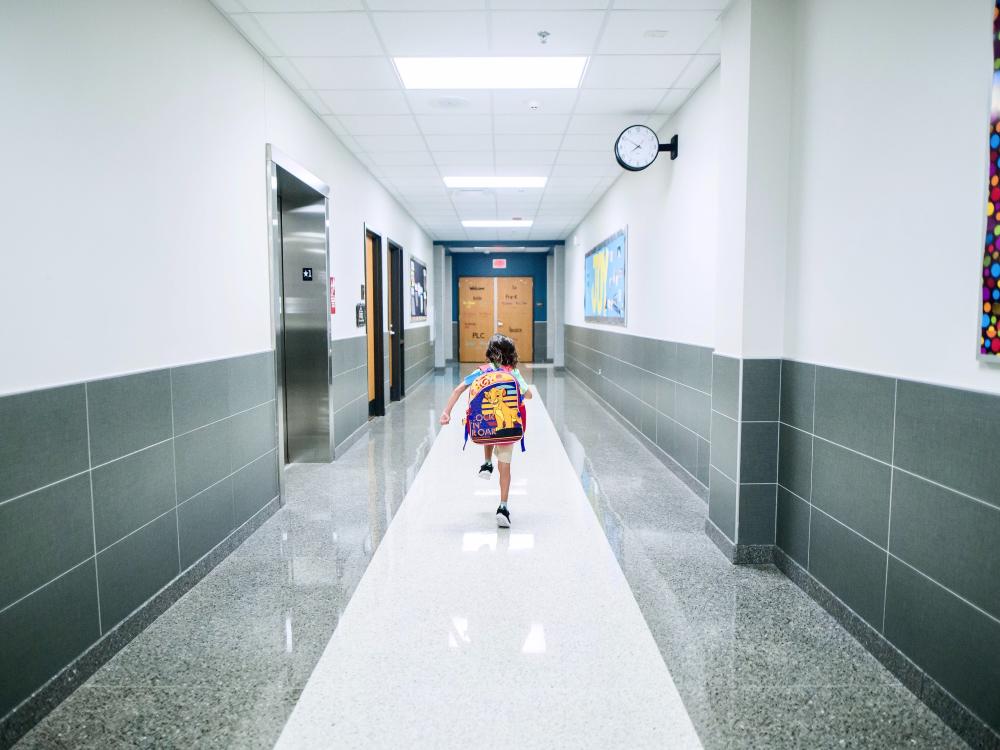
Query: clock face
[(637, 147)]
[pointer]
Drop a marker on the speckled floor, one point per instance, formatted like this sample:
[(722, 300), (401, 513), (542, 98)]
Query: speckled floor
[(756, 662)]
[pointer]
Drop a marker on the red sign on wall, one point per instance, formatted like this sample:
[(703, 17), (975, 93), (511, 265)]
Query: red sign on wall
[(333, 297), (499, 262)]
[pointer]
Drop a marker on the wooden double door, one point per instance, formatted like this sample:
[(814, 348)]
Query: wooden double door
[(495, 304)]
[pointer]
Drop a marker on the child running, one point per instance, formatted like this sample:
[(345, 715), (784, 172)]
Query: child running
[(502, 355)]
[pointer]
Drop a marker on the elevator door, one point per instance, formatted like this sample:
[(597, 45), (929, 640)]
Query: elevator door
[(305, 306)]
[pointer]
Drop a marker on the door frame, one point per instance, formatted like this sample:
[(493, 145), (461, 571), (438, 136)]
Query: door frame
[(374, 321), (496, 307), (273, 158), (397, 323)]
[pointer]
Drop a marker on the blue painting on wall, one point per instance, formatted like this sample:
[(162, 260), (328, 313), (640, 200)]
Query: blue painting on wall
[(604, 280)]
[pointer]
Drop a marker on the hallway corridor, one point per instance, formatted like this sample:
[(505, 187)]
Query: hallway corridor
[(755, 662)]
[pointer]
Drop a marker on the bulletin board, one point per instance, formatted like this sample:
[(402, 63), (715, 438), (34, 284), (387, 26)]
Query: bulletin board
[(605, 280)]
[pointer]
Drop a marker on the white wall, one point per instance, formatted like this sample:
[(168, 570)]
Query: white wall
[(134, 134), (890, 119), (672, 214)]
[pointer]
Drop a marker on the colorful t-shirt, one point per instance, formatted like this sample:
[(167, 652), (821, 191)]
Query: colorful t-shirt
[(471, 377)]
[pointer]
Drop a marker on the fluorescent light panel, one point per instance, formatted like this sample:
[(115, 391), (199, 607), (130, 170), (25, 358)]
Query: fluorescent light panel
[(495, 182), (490, 72), (496, 223)]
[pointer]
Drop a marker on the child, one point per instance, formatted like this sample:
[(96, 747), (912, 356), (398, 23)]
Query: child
[(502, 355)]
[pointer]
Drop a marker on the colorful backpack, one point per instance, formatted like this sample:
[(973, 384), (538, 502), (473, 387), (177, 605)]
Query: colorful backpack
[(496, 414)]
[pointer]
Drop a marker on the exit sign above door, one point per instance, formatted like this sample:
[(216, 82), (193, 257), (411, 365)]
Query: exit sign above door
[(499, 262)]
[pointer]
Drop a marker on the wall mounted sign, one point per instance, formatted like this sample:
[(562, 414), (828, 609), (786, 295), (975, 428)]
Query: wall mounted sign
[(604, 280), (333, 296), (359, 315), (418, 290), (307, 274), (499, 262), (989, 336)]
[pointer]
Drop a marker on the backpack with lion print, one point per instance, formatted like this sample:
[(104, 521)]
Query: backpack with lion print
[(496, 414)]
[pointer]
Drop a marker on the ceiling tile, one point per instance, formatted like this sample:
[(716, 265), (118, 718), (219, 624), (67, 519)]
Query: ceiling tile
[(470, 169), (549, 4), (449, 102), (717, 5), (349, 143), (359, 73), (300, 6), (583, 170), (640, 102), (256, 34), (608, 125), (372, 143), (712, 45), (637, 31), (428, 171), (527, 142), (561, 187), (229, 6), (393, 158), (379, 125), (320, 34), (458, 142), (672, 101), (315, 103), (449, 124), (424, 5), (459, 158), (634, 71), (524, 170), (532, 124), (571, 33), (289, 72), (697, 71), (432, 34), (588, 142), (513, 158), (547, 101), (353, 102), (599, 158)]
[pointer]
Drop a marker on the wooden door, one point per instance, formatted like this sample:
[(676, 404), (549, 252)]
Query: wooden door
[(476, 321), (516, 313)]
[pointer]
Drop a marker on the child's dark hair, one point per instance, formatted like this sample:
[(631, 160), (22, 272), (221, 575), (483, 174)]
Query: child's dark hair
[(501, 351)]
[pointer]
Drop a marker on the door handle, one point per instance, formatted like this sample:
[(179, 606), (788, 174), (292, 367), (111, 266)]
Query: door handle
[(392, 331), (499, 324)]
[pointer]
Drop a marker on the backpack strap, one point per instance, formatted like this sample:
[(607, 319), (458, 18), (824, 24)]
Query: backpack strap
[(466, 442)]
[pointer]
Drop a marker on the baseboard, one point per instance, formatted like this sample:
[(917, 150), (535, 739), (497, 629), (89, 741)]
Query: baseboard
[(951, 711), (720, 540), (683, 474), (37, 706), (344, 445), (753, 554), (421, 379)]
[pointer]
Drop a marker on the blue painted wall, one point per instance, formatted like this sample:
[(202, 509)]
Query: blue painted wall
[(518, 264)]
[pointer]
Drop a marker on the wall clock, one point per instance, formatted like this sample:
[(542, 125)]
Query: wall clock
[(638, 146)]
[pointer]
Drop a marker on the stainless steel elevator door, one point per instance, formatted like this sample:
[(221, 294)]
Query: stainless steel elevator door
[(305, 291)]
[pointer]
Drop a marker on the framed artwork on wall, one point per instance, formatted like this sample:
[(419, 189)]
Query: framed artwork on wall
[(989, 335), (418, 290), (605, 280)]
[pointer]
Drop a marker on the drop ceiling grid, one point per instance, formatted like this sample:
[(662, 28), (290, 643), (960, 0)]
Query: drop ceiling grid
[(337, 54)]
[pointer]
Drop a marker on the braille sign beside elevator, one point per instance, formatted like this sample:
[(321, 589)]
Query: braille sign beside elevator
[(307, 274)]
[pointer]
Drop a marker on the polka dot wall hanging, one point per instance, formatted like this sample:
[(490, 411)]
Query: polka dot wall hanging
[(989, 335)]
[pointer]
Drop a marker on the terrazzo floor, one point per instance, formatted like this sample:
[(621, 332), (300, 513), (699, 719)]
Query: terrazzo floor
[(755, 661)]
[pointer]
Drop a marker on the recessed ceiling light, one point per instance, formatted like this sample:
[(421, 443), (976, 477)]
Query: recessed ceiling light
[(495, 182), (490, 72), (496, 223)]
